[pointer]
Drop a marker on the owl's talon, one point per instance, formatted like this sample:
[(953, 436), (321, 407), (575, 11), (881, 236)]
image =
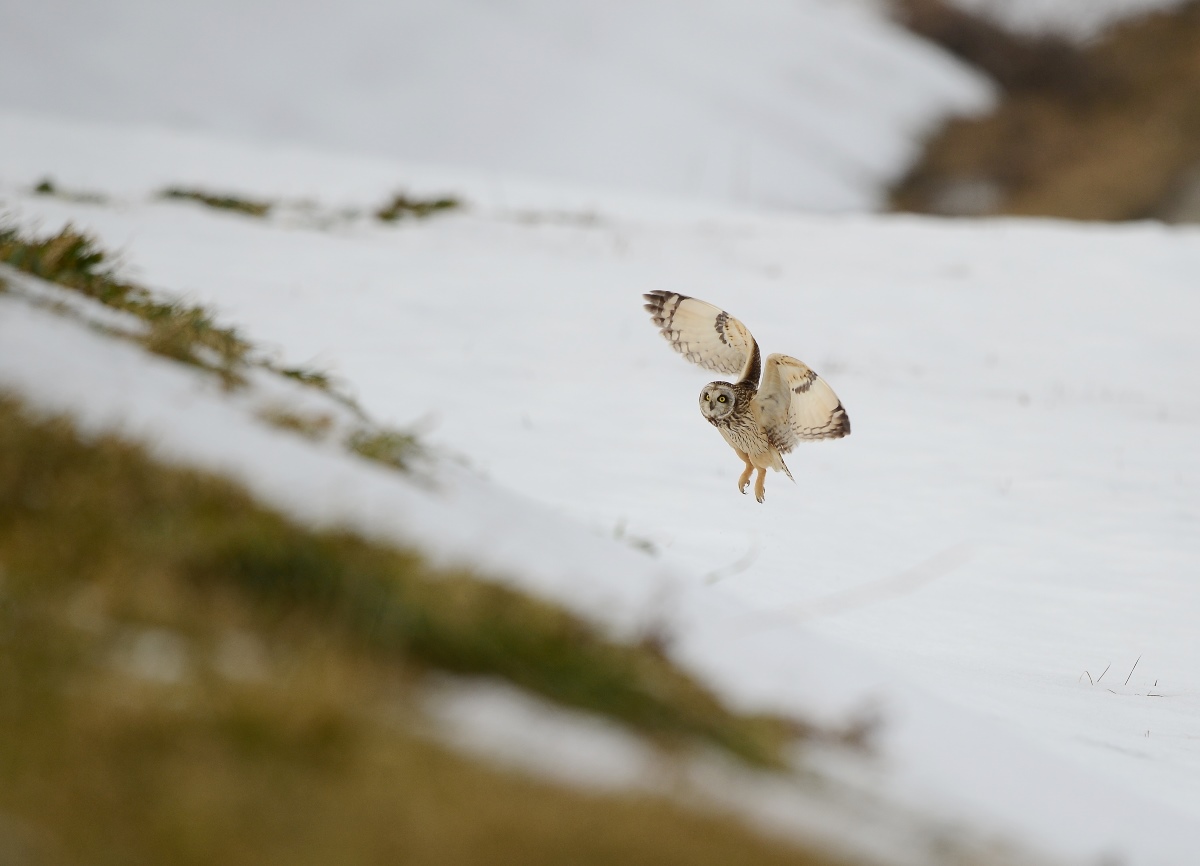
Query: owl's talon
[(744, 481)]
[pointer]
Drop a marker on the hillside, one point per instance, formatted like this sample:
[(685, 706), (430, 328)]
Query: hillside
[(1096, 129), (1011, 517)]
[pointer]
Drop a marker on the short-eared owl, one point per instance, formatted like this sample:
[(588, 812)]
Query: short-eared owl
[(762, 421)]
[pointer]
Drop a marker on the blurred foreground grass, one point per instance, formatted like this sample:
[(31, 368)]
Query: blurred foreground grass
[(187, 677)]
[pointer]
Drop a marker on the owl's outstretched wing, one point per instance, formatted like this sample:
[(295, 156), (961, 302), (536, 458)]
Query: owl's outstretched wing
[(704, 334), (794, 405)]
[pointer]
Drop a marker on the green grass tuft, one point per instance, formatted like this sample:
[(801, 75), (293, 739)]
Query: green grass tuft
[(402, 205), (390, 447), (307, 376), (237, 204), (314, 426), (47, 186)]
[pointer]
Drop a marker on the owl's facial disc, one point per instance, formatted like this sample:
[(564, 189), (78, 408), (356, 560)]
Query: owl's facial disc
[(717, 400)]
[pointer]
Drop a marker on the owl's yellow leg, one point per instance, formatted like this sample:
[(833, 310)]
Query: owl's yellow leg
[(760, 492), (745, 479)]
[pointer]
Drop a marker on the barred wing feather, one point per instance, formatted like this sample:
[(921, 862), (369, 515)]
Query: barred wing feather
[(794, 405), (704, 334)]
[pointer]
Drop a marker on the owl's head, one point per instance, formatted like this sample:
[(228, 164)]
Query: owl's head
[(717, 401)]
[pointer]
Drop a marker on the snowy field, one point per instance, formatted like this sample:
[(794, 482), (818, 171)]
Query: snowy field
[(806, 103), (1015, 512)]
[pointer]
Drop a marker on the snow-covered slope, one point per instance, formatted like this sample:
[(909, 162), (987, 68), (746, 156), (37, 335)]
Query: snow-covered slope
[(1016, 505), (794, 102)]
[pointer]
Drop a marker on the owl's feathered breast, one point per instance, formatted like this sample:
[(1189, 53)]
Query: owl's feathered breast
[(740, 427)]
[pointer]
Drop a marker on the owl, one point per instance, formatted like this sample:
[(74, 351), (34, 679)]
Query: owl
[(761, 421)]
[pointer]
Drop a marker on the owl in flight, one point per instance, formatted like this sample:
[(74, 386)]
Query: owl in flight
[(764, 420)]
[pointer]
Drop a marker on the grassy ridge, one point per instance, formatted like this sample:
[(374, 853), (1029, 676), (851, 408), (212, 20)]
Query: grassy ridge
[(180, 331), (189, 333), (183, 332)]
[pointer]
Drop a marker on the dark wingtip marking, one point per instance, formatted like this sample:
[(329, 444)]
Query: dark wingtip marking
[(719, 324), (843, 428), (657, 303), (838, 426), (661, 297)]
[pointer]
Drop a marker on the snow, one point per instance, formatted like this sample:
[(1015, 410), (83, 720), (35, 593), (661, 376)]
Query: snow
[(498, 720), (806, 103), (1016, 505), (1079, 19), (926, 788)]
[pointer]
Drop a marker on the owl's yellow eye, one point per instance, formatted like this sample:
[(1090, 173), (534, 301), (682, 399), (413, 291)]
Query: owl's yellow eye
[(708, 397), (721, 399)]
